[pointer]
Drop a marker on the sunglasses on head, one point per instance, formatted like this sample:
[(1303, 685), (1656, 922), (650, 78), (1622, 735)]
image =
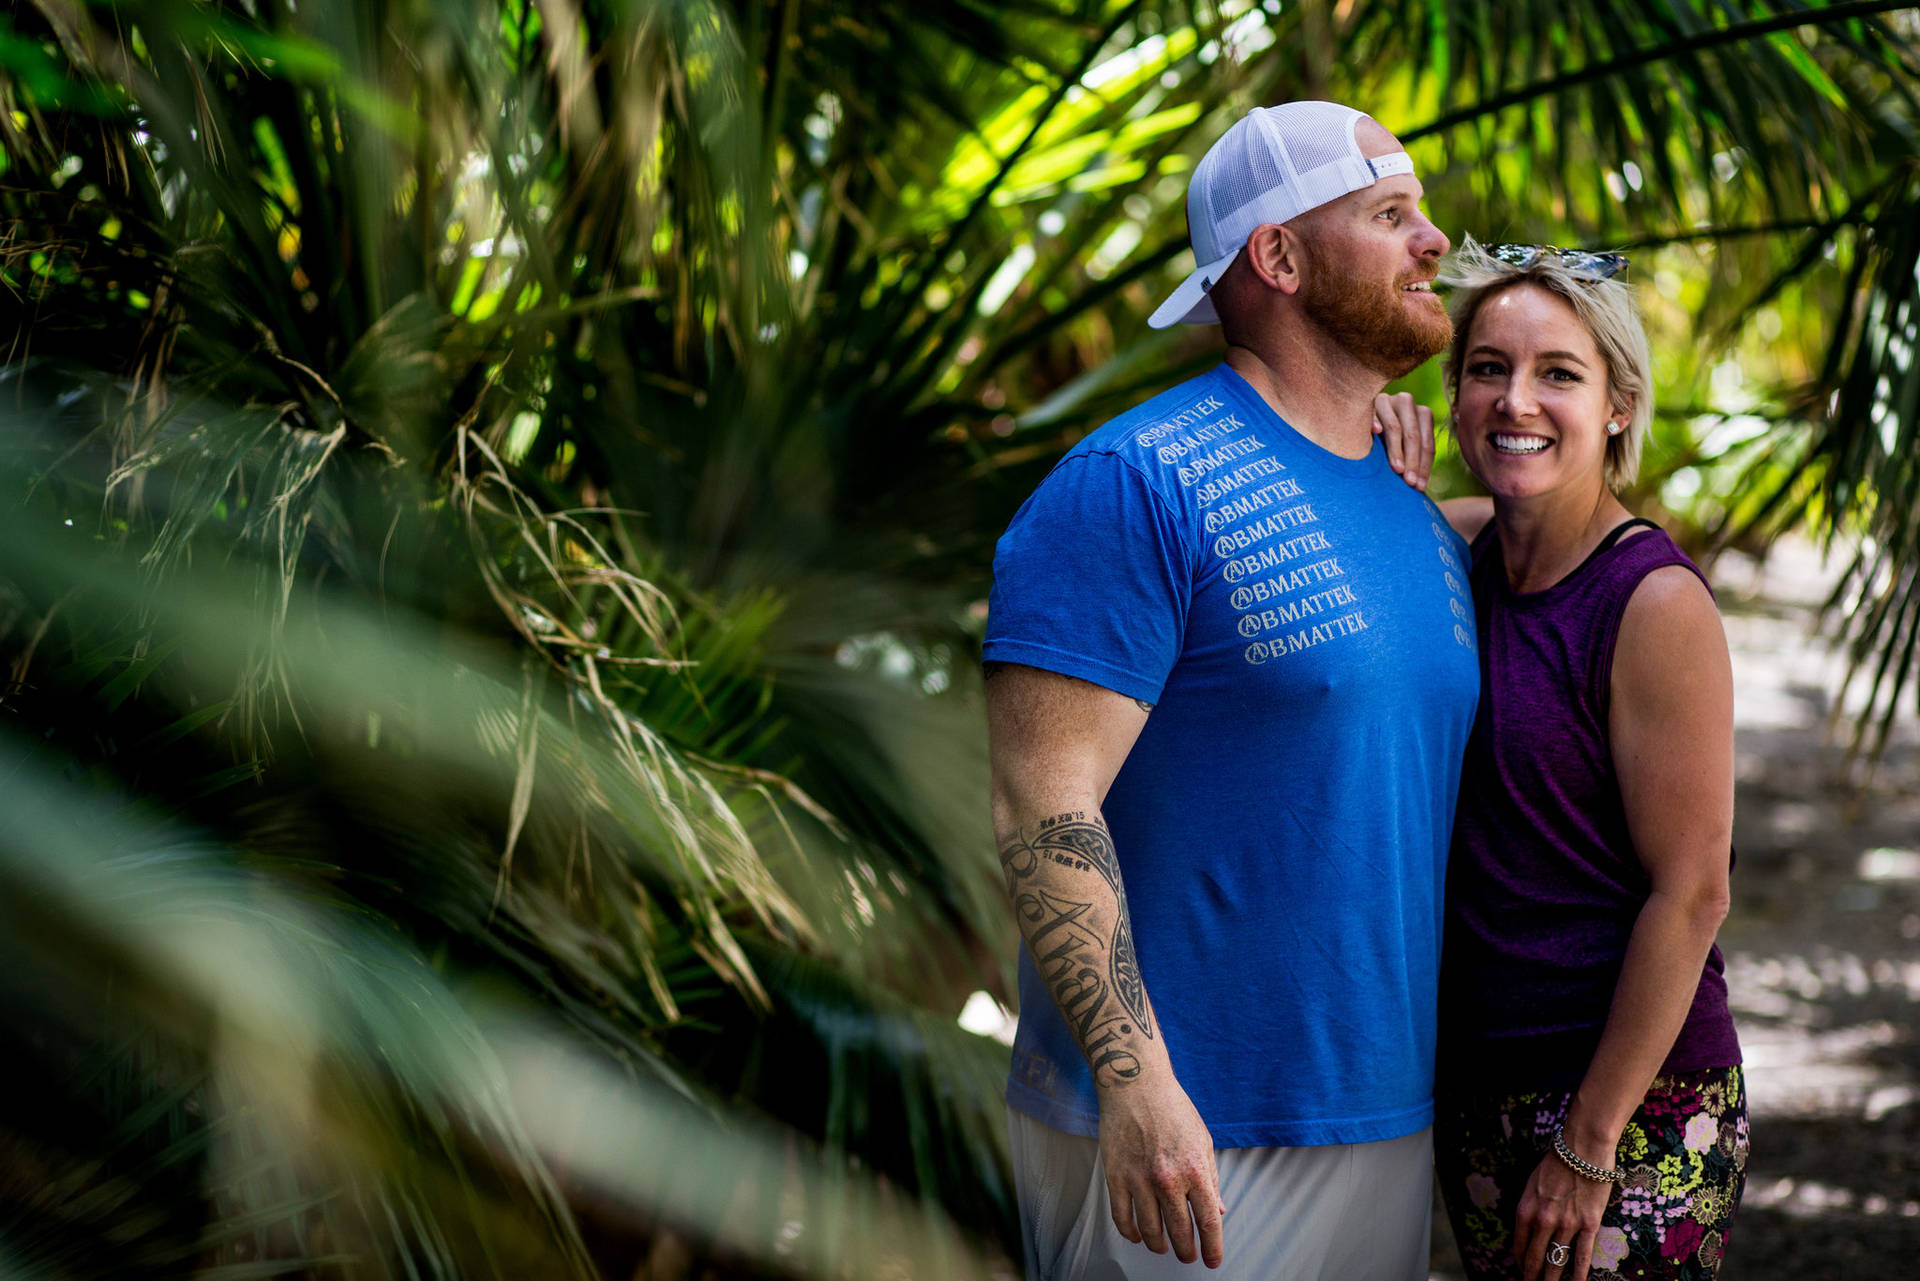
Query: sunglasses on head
[(1581, 264)]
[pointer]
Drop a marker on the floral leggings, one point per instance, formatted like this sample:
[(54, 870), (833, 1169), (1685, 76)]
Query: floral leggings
[(1684, 1152)]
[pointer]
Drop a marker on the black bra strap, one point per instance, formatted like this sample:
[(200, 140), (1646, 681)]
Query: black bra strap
[(1614, 535)]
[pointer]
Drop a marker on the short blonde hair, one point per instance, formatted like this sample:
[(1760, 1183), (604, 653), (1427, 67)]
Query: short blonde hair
[(1605, 307)]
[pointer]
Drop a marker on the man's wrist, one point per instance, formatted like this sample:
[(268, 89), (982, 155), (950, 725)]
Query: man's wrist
[(1153, 1073)]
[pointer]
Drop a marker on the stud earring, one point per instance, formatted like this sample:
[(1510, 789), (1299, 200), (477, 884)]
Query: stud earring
[(1613, 429)]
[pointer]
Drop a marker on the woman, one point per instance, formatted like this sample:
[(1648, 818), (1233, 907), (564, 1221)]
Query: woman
[(1591, 1110)]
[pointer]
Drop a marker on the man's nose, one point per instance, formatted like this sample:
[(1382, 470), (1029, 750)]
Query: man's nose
[(1428, 240)]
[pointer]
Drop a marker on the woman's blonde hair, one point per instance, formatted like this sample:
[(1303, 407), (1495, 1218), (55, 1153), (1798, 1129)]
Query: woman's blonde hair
[(1605, 307)]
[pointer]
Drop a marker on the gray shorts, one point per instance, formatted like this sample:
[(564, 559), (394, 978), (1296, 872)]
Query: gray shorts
[(1354, 1212)]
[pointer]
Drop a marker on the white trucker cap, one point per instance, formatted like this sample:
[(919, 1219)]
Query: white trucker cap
[(1274, 164)]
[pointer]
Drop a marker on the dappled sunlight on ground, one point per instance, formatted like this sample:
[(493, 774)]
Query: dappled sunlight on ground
[(1823, 949), (1823, 953)]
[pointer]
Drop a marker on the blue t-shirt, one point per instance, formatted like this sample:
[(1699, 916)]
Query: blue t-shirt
[(1303, 625)]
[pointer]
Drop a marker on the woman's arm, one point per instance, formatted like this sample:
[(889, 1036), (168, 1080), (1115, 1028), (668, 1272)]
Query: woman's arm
[(1671, 722), (1672, 730)]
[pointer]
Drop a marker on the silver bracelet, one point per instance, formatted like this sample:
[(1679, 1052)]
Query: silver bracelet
[(1584, 1169)]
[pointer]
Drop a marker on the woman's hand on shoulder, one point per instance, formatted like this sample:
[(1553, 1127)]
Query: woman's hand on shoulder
[(1406, 429)]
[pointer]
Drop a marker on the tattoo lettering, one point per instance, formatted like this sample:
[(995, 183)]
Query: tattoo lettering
[(1065, 950), (1020, 859), (1086, 842), (1090, 967), (1104, 1054)]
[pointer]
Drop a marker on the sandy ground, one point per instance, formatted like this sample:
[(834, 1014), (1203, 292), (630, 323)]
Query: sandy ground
[(1823, 954)]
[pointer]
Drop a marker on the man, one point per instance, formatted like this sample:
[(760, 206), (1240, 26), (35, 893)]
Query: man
[(1231, 656)]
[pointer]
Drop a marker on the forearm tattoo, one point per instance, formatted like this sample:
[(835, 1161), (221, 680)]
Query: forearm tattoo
[(1095, 979)]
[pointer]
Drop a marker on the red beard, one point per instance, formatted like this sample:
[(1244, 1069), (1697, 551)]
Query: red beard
[(1372, 320)]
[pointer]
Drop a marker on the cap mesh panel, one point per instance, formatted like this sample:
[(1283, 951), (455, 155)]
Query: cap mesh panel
[(1235, 186), (1262, 173), (1311, 150)]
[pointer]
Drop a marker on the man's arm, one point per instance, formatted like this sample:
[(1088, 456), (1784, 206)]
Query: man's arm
[(1056, 744)]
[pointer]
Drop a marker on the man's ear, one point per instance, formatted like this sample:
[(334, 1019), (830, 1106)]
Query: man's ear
[(1275, 253)]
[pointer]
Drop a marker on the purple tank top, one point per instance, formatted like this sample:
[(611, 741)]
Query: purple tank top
[(1543, 883)]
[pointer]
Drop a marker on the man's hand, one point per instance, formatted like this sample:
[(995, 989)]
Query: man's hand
[(1406, 429), (1162, 1181)]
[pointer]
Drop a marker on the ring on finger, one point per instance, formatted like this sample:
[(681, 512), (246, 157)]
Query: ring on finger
[(1558, 1254)]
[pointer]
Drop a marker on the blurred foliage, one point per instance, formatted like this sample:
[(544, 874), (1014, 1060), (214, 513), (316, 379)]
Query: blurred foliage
[(501, 494)]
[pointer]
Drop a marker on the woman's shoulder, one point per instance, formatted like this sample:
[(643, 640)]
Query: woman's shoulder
[(1644, 556), (1671, 592), (1670, 632)]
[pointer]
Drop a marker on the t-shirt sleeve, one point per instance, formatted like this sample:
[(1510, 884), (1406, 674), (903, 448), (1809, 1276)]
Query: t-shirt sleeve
[(1092, 580)]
